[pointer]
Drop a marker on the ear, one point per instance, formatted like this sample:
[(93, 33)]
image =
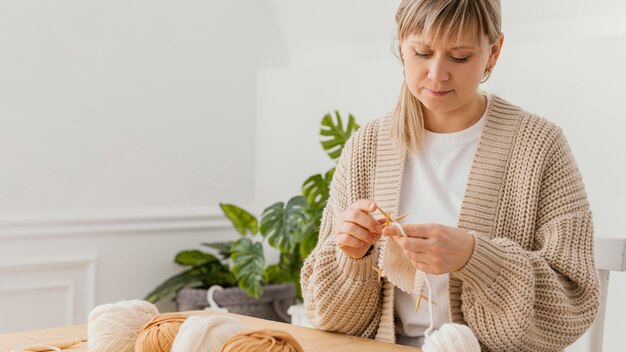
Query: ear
[(496, 48)]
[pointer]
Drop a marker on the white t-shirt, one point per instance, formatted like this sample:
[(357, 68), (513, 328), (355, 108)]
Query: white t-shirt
[(433, 186)]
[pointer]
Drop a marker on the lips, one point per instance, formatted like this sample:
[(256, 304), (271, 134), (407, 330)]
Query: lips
[(438, 92)]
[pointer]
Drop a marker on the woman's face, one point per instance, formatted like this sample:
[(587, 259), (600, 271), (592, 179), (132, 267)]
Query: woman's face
[(445, 79)]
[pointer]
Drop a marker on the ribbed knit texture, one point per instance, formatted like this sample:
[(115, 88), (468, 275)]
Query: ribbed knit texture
[(530, 284)]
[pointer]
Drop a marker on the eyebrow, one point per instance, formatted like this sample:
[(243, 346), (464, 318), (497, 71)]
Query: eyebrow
[(460, 47)]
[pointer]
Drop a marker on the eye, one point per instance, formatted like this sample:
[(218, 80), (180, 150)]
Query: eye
[(459, 59), (417, 53)]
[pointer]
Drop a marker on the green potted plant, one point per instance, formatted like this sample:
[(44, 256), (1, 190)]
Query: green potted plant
[(252, 287)]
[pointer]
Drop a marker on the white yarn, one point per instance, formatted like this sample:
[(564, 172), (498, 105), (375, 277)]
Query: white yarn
[(206, 334), (396, 224), (114, 327), (430, 308), (452, 338)]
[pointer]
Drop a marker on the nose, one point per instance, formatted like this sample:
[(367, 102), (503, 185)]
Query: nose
[(437, 69)]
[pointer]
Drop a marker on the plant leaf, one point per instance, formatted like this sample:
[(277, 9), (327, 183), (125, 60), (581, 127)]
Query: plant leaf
[(241, 219), (223, 248), (275, 275), (316, 190), (194, 257), (285, 225), (212, 271), (334, 137), (309, 241), (329, 175), (249, 266)]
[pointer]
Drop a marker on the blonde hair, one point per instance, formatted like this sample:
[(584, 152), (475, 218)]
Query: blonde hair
[(438, 19)]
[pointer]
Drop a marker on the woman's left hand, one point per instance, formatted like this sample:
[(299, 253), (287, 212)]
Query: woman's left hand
[(434, 248)]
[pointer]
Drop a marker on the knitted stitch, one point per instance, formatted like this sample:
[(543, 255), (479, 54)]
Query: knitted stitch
[(530, 284)]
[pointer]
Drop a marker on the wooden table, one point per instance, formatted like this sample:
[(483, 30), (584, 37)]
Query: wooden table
[(311, 339)]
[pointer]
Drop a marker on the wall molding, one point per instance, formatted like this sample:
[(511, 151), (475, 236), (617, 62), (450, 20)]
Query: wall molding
[(68, 287), (49, 262), (74, 272), (82, 223)]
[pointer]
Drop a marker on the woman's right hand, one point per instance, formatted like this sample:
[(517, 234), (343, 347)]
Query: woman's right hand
[(357, 230)]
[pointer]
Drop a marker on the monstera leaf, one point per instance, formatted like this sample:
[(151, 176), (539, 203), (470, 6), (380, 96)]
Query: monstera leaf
[(333, 134), (241, 219), (249, 266), (223, 248), (309, 240), (316, 189), (285, 225), (194, 257)]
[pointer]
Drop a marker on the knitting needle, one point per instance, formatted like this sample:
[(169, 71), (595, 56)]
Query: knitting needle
[(419, 300), (388, 217), (50, 346), (379, 273), (395, 222), (389, 220)]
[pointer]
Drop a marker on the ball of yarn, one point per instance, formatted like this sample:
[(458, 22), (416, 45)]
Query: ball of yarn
[(264, 340), (452, 338), (159, 333), (114, 327), (206, 334)]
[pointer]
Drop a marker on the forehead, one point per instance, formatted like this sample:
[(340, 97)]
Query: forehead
[(456, 40)]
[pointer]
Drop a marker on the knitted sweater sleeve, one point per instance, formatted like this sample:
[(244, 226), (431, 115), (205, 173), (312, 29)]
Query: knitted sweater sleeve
[(340, 293), (544, 297)]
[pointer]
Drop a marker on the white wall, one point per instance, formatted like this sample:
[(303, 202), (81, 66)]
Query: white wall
[(128, 103), (122, 125), (561, 59)]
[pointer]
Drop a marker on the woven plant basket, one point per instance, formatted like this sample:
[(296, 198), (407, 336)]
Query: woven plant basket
[(272, 304)]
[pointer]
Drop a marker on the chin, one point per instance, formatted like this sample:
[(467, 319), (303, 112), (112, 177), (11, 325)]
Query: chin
[(438, 104)]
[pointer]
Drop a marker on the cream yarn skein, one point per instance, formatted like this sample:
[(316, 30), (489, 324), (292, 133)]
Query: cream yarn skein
[(206, 334), (114, 327), (451, 338)]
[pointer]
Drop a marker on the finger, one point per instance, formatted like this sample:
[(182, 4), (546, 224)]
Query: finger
[(423, 230), (362, 219), (413, 244), (421, 266), (392, 231), (417, 256), (359, 232), (345, 240), (365, 205)]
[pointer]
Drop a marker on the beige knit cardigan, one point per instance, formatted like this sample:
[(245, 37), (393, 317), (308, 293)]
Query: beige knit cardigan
[(530, 284)]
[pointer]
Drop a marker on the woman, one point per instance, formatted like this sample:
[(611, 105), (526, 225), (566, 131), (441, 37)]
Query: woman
[(498, 215)]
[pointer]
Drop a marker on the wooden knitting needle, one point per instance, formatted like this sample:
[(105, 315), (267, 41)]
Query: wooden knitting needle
[(388, 217), (388, 221), (59, 344), (419, 300), (400, 217), (379, 273)]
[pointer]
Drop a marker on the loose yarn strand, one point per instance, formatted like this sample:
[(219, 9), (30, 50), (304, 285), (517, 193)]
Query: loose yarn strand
[(450, 334), (430, 307)]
